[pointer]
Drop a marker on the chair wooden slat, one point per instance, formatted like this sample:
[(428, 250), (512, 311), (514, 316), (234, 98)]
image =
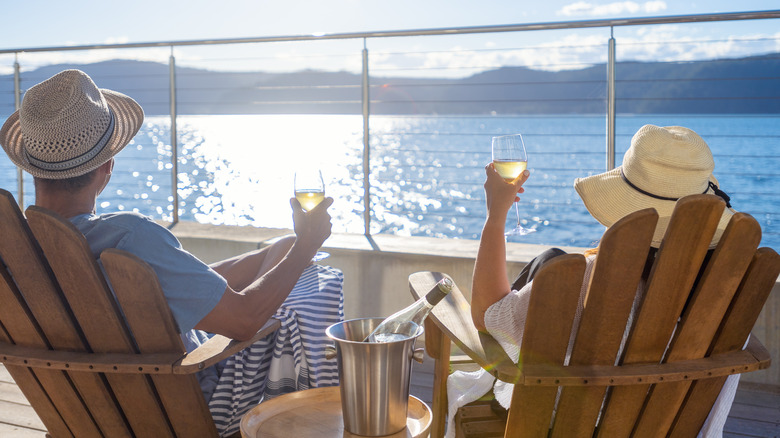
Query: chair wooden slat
[(154, 330), (703, 315), (43, 300), (86, 291), (742, 314), (694, 221), (546, 339), (623, 253)]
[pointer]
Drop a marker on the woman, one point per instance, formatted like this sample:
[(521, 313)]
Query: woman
[(661, 166)]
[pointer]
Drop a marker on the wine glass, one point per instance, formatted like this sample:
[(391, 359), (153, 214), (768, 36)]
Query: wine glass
[(510, 160), (309, 188)]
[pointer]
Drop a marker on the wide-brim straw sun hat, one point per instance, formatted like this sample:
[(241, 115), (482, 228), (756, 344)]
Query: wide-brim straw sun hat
[(67, 126), (662, 165)]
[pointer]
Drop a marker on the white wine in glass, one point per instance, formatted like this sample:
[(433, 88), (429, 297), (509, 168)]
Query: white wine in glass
[(510, 160), (309, 199), (309, 188)]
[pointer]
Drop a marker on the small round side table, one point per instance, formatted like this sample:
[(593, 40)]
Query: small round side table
[(317, 413)]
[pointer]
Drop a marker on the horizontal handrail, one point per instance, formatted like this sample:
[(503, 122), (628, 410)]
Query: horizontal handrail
[(577, 24)]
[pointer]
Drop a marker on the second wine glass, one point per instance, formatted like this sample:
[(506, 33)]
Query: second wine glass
[(510, 160), (309, 189)]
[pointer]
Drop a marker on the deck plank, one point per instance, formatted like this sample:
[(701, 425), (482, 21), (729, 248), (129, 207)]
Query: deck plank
[(14, 431), (20, 415)]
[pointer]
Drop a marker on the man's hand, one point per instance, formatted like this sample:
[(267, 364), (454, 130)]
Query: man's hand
[(312, 227)]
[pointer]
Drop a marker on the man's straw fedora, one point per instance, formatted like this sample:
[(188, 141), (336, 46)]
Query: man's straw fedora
[(67, 127)]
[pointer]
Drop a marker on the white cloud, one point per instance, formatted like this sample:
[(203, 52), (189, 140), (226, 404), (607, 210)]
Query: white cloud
[(581, 8), (117, 40), (667, 44), (655, 6)]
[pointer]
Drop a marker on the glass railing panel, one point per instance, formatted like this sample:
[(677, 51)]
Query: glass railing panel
[(429, 153), (241, 135)]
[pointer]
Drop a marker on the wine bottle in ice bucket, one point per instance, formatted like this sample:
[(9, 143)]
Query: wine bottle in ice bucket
[(404, 323)]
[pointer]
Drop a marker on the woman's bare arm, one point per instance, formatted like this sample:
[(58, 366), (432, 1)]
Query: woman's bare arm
[(490, 282)]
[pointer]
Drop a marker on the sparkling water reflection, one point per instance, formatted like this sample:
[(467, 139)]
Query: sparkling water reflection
[(426, 172)]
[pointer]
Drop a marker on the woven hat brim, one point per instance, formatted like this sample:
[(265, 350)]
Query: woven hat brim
[(608, 199), (128, 119)]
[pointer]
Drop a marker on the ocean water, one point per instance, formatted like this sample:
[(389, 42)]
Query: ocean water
[(426, 172)]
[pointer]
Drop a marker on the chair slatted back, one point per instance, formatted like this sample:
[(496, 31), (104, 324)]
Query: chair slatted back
[(665, 329), (36, 315), (60, 299)]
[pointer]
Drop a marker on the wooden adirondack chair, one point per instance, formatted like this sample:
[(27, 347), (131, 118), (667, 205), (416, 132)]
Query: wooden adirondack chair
[(650, 392), (91, 365)]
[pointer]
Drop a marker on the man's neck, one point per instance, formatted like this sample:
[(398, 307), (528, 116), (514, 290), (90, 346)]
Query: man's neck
[(66, 204)]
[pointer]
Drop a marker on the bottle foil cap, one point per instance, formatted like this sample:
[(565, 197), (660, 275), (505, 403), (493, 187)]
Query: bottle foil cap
[(439, 291)]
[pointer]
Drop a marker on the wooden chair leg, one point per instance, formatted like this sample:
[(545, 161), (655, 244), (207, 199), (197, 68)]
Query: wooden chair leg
[(438, 347)]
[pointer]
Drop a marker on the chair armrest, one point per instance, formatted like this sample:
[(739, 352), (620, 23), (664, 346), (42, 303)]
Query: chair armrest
[(754, 357), (453, 316), (220, 347), (216, 349), (156, 363)]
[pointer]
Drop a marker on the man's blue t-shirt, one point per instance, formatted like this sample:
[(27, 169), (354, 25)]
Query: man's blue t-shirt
[(191, 287)]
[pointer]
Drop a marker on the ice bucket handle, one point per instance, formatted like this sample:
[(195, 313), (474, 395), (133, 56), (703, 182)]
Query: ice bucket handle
[(418, 353), (330, 351)]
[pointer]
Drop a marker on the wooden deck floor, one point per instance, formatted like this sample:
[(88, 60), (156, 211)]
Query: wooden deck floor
[(755, 413)]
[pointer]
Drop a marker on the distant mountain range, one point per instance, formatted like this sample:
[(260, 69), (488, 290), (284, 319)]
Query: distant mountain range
[(746, 86)]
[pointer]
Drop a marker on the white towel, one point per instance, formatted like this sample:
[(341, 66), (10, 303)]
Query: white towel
[(463, 388)]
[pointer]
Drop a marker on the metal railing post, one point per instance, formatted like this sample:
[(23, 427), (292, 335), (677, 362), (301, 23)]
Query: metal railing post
[(174, 147), (611, 102), (17, 105), (366, 148)]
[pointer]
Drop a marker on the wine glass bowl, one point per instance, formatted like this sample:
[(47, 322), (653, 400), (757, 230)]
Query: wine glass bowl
[(510, 160)]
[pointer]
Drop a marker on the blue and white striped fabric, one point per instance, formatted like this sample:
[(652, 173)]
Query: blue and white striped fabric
[(292, 359)]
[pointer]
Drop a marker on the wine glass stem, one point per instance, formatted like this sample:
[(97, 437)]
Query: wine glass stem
[(517, 211)]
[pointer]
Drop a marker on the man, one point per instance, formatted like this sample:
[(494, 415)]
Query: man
[(66, 135)]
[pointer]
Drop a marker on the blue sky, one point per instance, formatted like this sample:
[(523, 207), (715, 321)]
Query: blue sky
[(35, 23)]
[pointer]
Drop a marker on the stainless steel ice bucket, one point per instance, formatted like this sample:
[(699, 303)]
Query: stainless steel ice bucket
[(374, 378)]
